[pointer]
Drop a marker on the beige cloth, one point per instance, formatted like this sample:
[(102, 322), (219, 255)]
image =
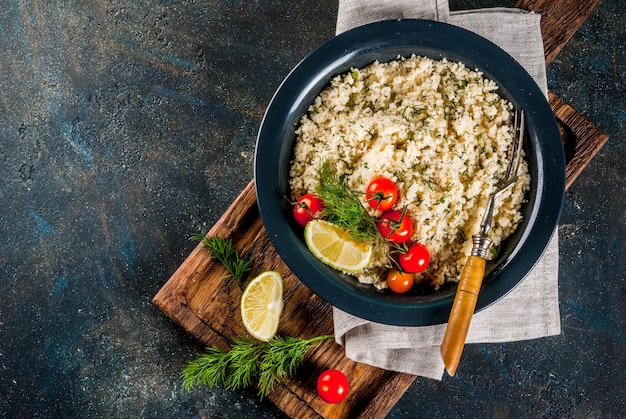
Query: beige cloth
[(529, 311)]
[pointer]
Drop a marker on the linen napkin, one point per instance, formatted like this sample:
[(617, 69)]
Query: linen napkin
[(530, 310)]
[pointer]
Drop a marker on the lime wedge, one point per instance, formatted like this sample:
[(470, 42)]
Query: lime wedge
[(335, 247), (262, 305)]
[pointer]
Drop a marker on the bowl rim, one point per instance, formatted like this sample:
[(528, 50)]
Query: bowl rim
[(361, 45)]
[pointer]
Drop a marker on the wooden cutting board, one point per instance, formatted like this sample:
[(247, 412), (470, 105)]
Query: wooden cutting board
[(207, 307)]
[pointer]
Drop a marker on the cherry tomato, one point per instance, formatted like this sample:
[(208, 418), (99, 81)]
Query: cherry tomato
[(381, 193), (415, 260), (332, 386), (309, 206), (395, 226), (399, 281)]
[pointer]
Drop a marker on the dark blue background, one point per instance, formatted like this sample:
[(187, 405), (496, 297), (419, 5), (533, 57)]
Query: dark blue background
[(127, 127)]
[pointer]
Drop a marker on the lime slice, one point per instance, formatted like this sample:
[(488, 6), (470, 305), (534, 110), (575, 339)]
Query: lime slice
[(262, 305), (335, 247)]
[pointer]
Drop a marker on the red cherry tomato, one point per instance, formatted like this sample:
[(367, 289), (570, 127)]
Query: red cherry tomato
[(332, 386), (309, 206), (395, 226), (399, 282), (415, 260), (381, 193)]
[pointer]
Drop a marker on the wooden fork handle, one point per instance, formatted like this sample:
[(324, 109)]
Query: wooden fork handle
[(461, 313)]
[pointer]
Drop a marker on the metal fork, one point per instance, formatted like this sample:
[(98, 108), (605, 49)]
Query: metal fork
[(472, 276)]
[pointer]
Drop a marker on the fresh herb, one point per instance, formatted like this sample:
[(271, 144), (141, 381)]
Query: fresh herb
[(399, 174), (495, 251), (443, 198), (248, 361), (429, 183), (415, 110), (342, 205), (224, 251)]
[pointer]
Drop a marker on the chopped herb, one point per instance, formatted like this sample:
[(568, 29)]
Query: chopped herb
[(442, 200), (495, 251), (416, 110), (429, 183), (399, 174)]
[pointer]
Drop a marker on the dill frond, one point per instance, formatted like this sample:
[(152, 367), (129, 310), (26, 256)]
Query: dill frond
[(224, 251), (342, 205), (268, 363)]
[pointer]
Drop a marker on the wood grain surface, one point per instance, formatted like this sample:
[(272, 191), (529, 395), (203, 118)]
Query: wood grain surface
[(206, 306)]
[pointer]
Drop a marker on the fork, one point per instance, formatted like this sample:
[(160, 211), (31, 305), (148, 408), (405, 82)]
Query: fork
[(474, 270)]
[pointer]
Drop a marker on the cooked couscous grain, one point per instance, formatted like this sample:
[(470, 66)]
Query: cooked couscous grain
[(439, 130)]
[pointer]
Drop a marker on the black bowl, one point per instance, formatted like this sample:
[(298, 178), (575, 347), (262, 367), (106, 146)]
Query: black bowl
[(385, 41)]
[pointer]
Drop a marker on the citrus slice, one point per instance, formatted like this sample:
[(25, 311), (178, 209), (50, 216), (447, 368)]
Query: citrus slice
[(334, 246), (262, 305)]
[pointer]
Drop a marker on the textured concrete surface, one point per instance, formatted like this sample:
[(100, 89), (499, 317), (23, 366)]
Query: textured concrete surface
[(128, 126)]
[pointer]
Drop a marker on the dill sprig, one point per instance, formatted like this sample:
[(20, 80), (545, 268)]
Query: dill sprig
[(224, 251), (249, 361), (342, 205)]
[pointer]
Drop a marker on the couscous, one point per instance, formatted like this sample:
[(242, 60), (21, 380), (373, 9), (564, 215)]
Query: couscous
[(439, 130)]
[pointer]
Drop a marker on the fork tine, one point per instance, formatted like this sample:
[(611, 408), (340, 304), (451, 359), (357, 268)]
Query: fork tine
[(516, 149), (520, 140)]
